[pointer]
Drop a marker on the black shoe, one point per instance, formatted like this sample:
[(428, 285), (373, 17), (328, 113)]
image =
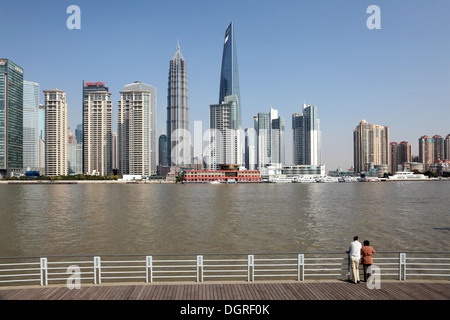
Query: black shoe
[(358, 281)]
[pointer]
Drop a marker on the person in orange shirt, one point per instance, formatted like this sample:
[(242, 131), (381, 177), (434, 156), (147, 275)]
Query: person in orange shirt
[(366, 258)]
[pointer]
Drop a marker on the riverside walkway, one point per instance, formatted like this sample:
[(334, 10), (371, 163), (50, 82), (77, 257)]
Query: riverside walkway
[(272, 290)]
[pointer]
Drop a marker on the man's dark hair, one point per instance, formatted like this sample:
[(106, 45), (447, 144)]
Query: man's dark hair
[(355, 238), (366, 242)]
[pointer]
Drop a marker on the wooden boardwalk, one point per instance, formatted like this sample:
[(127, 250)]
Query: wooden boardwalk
[(276, 290)]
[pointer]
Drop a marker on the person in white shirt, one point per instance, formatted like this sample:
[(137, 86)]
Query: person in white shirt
[(354, 255)]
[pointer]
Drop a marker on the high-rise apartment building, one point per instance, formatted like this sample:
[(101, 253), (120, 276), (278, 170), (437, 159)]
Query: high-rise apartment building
[(97, 129), (41, 133), (400, 153), (11, 118), (115, 151), (307, 137), (178, 142), (277, 149), (370, 146), (30, 126), (136, 148), (432, 149), (263, 130), (225, 143), (250, 148), (56, 133)]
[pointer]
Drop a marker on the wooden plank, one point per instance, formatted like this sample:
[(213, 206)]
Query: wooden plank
[(238, 291)]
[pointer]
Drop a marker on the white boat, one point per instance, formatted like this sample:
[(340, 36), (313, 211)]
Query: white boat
[(215, 182), (406, 175), (326, 179), (347, 179), (304, 180), (280, 180)]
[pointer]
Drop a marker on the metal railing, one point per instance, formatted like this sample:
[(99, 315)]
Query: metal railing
[(214, 267)]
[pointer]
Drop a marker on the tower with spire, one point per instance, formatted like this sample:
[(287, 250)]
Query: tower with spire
[(178, 146)]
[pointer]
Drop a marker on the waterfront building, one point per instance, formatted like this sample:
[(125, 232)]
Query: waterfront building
[(56, 133), (277, 151), (447, 147), (297, 134), (74, 155), (178, 143), (225, 174), (250, 148), (426, 151), (439, 153), (163, 151), (115, 152), (263, 139), (399, 154), (370, 145), (11, 118), (225, 134), (307, 137), (97, 129), (79, 133), (229, 76), (42, 139), (226, 138), (136, 148), (30, 126)]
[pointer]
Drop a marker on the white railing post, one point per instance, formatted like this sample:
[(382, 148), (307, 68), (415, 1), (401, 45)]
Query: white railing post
[(251, 266), (148, 267), (402, 265), (44, 277), (301, 267), (200, 268), (97, 268)]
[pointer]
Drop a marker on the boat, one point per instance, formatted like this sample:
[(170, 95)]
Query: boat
[(215, 182), (326, 179), (347, 179), (280, 179), (406, 175), (303, 180)]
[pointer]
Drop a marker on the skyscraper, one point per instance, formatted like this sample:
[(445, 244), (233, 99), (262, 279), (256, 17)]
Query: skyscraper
[(178, 142), (56, 133), (97, 128), (307, 137), (226, 144), (74, 155), (137, 151), (229, 77), (370, 145), (399, 154), (277, 151), (11, 118), (447, 147), (30, 125), (163, 151), (263, 139), (225, 139), (250, 148)]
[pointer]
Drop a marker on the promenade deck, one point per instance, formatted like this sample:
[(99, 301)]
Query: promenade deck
[(276, 290)]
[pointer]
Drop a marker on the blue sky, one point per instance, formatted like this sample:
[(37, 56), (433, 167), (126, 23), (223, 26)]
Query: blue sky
[(289, 51)]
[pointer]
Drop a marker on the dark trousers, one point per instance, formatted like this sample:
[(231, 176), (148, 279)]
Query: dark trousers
[(366, 275)]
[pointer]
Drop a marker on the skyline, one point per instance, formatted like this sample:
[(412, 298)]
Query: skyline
[(290, 53)]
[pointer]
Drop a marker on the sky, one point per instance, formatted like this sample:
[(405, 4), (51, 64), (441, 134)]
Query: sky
[(290, 52)]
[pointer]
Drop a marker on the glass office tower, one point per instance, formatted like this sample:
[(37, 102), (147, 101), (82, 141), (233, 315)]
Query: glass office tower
[(30, 126), (11, 118), (229, 77), (178, 144)]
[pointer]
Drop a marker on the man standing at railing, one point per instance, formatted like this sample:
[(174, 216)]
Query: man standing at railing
[(354, 255)]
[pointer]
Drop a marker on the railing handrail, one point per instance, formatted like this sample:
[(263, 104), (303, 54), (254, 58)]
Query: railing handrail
[(199, 267)]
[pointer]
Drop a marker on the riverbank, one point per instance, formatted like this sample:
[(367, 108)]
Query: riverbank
[(85, 182)]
